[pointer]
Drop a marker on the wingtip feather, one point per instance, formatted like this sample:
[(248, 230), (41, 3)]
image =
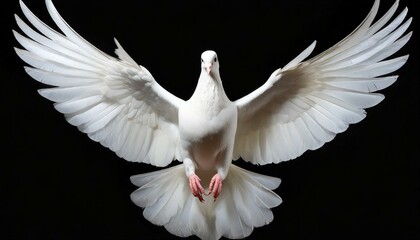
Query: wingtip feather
[(122, 54), (302, 56)]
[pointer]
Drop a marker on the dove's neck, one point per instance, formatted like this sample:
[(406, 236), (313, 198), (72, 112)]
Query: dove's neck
[(209, 93)]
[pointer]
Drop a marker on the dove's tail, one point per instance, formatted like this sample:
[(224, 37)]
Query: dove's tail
[(243, 204)]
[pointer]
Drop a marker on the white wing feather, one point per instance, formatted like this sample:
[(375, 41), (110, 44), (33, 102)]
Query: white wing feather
[(306, 104), (115, 101)]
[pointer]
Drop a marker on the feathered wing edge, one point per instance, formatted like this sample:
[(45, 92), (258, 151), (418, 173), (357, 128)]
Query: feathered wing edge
[(115, 101), (306, 104), (244, 203)]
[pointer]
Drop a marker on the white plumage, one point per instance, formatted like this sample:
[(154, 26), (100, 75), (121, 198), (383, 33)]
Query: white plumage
[(118, 103)]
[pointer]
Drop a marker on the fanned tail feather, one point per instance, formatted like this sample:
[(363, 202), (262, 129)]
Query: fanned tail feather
[(244, 203)]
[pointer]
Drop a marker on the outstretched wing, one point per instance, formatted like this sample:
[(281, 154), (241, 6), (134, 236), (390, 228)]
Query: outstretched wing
[(306, 104), (114, 101)]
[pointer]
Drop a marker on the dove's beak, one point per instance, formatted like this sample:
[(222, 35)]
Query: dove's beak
[(208, 67)]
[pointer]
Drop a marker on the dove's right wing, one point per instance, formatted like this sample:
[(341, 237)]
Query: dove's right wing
[(115, 101)]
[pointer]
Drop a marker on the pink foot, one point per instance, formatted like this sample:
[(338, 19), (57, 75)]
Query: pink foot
[(196, 188), (215, 186)]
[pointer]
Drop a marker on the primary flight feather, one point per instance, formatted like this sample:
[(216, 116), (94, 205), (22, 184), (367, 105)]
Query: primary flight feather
[(118, 103)]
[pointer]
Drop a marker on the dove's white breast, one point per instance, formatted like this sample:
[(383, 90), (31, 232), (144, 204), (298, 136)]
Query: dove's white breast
[(208, 134)]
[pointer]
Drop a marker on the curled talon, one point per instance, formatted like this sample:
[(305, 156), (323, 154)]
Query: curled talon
[(196, 188), (215, 186)]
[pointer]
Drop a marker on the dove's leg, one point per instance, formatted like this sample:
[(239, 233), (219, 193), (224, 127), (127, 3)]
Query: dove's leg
[(224, 160), (196, 189)]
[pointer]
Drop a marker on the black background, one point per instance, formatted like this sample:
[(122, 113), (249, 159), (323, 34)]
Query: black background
[(58, 184)]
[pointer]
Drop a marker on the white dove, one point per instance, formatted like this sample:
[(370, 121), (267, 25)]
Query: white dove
[(118, 103)]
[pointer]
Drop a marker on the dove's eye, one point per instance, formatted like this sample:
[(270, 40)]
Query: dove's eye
[(215, 59), (202, 60)]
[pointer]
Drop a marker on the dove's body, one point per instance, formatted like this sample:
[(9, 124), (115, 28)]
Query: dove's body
[(208, 139), (118, 103)]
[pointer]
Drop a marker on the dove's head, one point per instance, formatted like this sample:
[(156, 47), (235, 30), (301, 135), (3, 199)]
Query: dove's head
[(209, 61)]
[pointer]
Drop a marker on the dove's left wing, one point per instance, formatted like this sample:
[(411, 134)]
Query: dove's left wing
[(306, 104), (115, 101)]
